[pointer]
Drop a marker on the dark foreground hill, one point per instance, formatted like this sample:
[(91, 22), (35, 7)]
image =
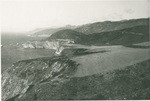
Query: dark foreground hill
[(106, 26), (86, 73), (53, 79)]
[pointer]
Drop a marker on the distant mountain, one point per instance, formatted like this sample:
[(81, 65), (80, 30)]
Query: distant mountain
[(36, 30), (47, 31), (50, 31), (121, 37), (111, 26), (77, 37)]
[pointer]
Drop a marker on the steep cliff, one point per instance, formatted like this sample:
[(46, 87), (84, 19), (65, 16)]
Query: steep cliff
[(23, 75), (59, 44)]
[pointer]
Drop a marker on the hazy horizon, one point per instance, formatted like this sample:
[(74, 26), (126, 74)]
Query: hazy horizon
[(23, 16)]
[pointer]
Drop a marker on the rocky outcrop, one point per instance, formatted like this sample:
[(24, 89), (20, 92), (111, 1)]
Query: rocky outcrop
[(12, 86), (40, 44), (23, 75), (57, 44)]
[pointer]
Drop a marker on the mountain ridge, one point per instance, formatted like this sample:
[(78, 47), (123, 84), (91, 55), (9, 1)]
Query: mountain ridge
[(97, 27)]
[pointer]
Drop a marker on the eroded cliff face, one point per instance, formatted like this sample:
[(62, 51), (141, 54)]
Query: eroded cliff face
[(23, 75), (57, 45), (40, 44)]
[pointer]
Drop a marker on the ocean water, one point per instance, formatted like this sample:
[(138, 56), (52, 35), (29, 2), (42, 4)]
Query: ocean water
[(11, 53)]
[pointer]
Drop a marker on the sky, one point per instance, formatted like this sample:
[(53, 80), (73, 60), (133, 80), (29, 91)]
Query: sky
[(27, 15)]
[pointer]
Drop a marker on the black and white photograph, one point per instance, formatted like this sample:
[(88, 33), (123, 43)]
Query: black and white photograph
[(75, 50)]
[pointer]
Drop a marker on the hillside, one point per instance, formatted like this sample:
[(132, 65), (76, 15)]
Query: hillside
[(69, 34), (108, 58), (110, 25), (126, 36)]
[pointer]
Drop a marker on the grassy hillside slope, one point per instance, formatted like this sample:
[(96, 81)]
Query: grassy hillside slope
[(121, 37), (116, 58)]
